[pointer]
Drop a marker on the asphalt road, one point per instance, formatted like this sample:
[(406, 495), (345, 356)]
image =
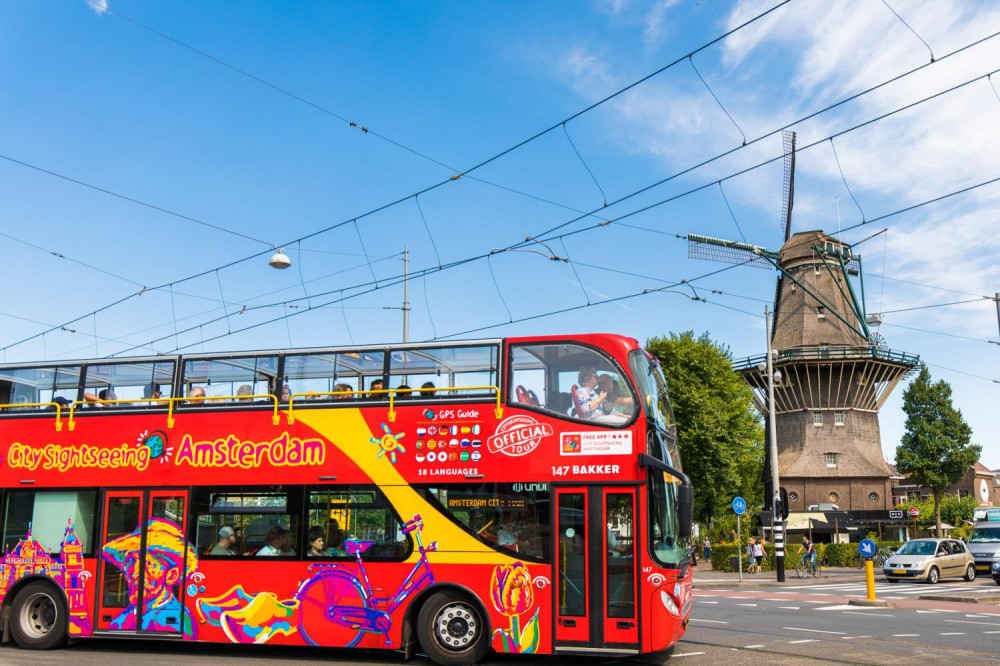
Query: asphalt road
[(798, 622)]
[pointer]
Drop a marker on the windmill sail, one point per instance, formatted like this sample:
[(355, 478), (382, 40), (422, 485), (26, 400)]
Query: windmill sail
[(788, 195), (729, 252)]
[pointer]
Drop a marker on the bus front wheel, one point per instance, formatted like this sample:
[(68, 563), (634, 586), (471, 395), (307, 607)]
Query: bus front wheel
[(452, 629), (38, 618)]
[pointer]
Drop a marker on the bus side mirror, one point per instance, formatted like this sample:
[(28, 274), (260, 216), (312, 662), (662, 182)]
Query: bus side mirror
[(685, 509)]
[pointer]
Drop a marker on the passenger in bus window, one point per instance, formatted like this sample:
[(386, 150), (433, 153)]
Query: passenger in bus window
[(427, 390), (404, 391), (589, 400), (613, 409), (227, 537), (152, 392), (286, 393), (342, 388), (196, 395), (376, 385), (276, 543), (101, 397), (315, 542), (244, 392)]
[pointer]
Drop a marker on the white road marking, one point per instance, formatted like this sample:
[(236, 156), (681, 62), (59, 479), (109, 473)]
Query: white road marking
[(927, 611), (752, 647), (753, 605), (804, 640), (904, 635), (702, 601), (988, 624), (686, 654), (874, 613), (815, 631), (837, 607), (698, 619), (851, 638), (991, 632), (773, 599), (952, 633), (789, 607)]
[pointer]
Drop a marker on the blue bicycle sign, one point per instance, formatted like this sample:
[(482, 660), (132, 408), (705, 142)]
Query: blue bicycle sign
[(739, 506)]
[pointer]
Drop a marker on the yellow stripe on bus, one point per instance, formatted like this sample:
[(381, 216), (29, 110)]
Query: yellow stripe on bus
[(347, 430)]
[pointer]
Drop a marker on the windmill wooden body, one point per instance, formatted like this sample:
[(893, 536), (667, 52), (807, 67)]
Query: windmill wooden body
[(835, 373)]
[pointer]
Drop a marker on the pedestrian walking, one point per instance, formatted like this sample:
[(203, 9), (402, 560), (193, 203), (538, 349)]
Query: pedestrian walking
[(750, 559), (758, 554), (706, 548)]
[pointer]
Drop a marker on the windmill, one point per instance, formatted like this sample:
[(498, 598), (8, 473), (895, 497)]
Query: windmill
[(835, 373)]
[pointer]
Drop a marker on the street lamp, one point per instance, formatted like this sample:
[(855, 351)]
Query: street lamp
[(776, 509), (279, 260)]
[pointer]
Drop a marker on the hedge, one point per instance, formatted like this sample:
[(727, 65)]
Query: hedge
[(830, 554)]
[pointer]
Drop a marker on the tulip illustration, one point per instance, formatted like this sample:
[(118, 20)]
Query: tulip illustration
[(512, 595)]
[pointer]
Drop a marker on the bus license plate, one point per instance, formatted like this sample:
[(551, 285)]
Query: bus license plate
[(899, 571)]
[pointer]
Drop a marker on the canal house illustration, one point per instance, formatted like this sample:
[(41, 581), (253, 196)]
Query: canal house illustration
[(29, 558)]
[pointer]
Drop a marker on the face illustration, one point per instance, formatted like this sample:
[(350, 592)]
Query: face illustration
[(159, 578)]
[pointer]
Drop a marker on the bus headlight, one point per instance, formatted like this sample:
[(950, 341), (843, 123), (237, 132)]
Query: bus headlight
[(669, 603)]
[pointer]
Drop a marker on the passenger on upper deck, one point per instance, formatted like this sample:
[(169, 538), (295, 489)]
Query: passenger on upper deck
[(589, 400), (102, 395), (376, 385), (613, 409), (404, 391), (196, 395), (286, 393), (342, 388), (427, 390), (244, 390)]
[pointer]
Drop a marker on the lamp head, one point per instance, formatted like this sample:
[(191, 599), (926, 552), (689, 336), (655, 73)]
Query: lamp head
[(279, 260)]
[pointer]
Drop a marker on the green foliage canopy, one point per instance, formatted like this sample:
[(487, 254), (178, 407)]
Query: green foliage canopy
[(936, 449), (720, 434)]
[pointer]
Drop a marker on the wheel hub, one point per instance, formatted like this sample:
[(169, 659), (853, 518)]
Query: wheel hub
[(39, 616), (457, 626)]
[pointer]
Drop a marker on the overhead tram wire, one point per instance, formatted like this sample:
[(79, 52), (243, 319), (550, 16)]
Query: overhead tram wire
[(425, 190), (592, 213), (636, 193), (949, 335), (984, 299), (427, 271)]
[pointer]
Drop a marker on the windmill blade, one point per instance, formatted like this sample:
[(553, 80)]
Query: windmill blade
[(788, 196), (729, 252)]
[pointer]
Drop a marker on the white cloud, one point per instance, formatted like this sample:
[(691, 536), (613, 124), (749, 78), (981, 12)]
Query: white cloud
[(99, 6)]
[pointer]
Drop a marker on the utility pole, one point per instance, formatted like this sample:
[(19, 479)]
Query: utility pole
[(406, 293), (776, 508)]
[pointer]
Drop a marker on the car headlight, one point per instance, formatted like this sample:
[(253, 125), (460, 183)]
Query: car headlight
[(919, 564), (996, 554), (996, 565)]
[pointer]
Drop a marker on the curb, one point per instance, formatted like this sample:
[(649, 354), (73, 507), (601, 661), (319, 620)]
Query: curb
[(979, 599)]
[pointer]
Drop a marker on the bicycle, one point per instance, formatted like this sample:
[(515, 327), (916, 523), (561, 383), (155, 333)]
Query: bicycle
[(803, 570), (339, 605)]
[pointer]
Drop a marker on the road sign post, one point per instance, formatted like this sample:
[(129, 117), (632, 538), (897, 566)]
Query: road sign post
[(867, 549), (739, 508)]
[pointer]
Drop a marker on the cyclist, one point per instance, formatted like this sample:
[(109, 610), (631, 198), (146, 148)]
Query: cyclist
[(808, 552)]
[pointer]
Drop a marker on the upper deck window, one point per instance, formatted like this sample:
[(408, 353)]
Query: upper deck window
[(333, 372), (571, 380), (439, 372), (128, 381), (31, 386), (234, 376)]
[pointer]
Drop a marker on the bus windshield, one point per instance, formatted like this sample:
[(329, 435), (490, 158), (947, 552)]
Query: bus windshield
[(652, 388), (665, 545)]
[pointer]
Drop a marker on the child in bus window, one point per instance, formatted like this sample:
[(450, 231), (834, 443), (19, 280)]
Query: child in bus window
[(587, 396)]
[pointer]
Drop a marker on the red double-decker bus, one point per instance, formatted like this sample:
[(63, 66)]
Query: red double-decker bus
[(519, 494)]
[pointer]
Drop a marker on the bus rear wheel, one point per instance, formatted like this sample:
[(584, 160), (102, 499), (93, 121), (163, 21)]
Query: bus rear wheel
[(452, 630), (38, 618)]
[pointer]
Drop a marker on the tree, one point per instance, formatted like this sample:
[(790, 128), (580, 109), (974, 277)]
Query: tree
[(935, 451), (720, 434)]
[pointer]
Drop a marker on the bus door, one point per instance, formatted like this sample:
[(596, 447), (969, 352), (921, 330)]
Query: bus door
[(144, 526), (595, 569)]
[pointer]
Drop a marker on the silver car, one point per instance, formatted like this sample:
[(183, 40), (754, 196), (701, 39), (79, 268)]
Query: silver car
[(930, 560), (984, 543)]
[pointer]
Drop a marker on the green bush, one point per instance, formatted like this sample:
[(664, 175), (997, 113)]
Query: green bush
[(830, 554)]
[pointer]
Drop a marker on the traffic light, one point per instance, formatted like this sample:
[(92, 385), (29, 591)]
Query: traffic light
[(783, 499)]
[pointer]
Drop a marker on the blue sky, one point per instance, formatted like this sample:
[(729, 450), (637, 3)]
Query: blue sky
[(93, 96)]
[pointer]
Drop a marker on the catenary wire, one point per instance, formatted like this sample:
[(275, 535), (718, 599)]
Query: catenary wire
[(636, 193)]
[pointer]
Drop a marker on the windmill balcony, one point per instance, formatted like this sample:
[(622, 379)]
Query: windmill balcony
[(831, 352)]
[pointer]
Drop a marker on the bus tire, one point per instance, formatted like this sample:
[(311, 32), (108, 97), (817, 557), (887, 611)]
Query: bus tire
[(452, 629), (38, 617)]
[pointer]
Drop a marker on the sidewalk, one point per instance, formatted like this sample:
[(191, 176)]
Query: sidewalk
[(705, 576)]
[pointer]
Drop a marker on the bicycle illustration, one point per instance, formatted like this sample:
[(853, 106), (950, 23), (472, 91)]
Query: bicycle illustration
[(337, 605)]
